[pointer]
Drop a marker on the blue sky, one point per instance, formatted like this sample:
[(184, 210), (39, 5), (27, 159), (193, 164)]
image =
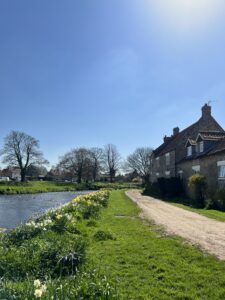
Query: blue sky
[(91, 72)]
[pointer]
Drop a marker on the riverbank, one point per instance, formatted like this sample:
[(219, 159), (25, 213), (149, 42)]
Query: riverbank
[(34, 187), (99, 249), (45, 257)]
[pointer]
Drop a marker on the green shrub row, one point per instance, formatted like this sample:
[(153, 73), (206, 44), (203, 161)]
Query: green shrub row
[(201, 196), (165, 188)]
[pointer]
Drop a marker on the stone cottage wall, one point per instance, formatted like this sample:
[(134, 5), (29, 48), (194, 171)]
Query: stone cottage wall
[(208, 168), (161, 169)]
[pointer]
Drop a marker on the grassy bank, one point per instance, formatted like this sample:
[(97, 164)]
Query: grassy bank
[(78, 253), (32, 187), (143, 263), (45, 257)]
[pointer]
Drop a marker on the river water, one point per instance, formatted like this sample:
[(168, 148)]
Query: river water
[(17, 209)]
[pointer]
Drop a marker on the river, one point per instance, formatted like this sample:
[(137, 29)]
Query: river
[(17, 209)]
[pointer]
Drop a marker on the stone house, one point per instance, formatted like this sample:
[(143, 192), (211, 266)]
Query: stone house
[(200, 148)]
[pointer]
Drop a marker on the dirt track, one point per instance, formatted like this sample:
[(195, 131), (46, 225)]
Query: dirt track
[(207, 233)]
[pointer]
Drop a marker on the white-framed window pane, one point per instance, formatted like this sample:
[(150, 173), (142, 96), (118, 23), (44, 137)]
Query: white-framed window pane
[(189, 150), (222, 172), (201, 146), (196, 168)]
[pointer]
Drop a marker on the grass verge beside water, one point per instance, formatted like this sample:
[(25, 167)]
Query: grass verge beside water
[(45, 257), (119, 256), (33, 187)]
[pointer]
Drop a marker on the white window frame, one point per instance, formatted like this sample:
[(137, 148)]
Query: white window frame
[(167, 173), (157, 174), (201, 146), (196, 168), (221, 169), (189, 150)]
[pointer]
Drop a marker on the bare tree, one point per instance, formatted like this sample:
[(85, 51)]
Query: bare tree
[(77, 162), (96, 156), (22, 150), (111, 160), (141, 161)]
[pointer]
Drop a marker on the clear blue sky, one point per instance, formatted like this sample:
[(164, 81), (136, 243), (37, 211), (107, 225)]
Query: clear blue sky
[(91, 72)]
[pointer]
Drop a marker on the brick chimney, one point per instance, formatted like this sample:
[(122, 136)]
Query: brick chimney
[(206, 111), (176, 130)]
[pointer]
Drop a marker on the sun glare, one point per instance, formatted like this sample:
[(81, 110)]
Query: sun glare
[(187, 16)]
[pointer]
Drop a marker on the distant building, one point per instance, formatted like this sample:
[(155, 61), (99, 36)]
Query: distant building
[(12, 173), (200, 148), (16, 174), (4, 179)]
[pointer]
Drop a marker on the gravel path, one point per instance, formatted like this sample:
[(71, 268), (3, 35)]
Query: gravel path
[(207, 233)]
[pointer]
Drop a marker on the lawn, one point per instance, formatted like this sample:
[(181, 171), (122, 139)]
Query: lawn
[(32, 187), (143, 263)]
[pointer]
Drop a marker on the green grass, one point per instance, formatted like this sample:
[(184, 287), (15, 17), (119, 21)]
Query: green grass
[(143, 263), (32, 187), (123, 257), (46, 255)]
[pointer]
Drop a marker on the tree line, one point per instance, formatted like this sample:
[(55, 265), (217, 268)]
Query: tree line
[(22, 151)]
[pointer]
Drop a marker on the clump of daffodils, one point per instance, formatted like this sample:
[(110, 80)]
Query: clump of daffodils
[(40, 224), (100, 197), (40, 288), (85, 204)]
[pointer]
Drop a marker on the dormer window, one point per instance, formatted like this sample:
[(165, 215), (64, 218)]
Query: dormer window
[(190, 147), (189, 150)]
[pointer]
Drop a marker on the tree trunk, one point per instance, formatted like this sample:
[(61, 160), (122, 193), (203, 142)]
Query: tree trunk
[(111, 175), (23, 175), (79, 177), (94, 175)]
